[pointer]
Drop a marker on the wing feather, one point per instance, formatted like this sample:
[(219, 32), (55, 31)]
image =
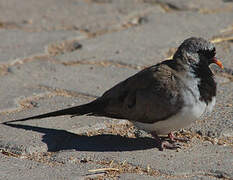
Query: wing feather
[(149, 96)]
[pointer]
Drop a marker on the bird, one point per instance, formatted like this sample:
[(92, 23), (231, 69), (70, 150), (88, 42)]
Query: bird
[(162, 98)]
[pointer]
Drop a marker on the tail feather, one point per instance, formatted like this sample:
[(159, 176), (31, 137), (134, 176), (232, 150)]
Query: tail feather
[(74, 111)]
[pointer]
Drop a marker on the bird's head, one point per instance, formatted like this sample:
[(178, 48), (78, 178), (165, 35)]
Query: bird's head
[(197, 52)]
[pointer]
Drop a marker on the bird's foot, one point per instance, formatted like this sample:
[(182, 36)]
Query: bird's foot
[(162, 144), (173, 138), (169, 145)]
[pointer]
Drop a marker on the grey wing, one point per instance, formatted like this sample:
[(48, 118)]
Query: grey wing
[(148, 96)]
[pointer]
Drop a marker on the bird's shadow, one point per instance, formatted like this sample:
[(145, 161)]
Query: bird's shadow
[(58, 140)]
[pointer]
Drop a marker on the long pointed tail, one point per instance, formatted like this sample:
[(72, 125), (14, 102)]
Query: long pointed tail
[(75, 111)]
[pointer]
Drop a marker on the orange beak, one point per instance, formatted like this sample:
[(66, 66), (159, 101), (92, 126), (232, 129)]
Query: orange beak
[(219, 63)]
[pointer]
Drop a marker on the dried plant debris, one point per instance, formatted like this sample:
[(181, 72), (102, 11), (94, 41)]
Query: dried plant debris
[(66, 93), (229, 29), (63, 47), (99, 1), (8, 25), (114, 169), (125, 129), (31, 101), (220, 174), (4, 70), (43, 157), (215, 10), (200, 136), (103, 63), (220, 39), (26, 102), (135, 21), (9, 154), (225, 36), (168, 6)]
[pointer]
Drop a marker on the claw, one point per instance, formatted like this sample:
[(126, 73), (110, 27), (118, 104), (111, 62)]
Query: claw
[(168, 145), (173, 138), (165, 144), (171, 144)]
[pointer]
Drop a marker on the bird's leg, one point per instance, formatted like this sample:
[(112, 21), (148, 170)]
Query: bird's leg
[(164, 144), (173, 138)]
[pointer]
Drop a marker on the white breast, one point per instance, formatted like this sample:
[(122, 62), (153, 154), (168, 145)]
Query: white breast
[(193, 108), (185, 117)]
